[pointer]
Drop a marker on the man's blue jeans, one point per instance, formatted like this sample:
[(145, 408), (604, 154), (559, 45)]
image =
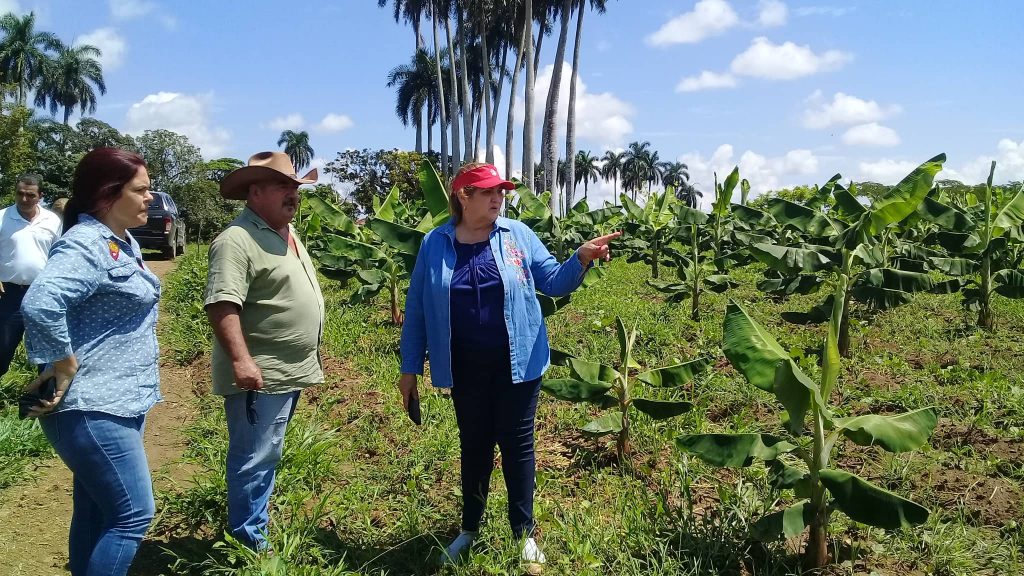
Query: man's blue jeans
[(113, 491), (12, 326), (256, 427)]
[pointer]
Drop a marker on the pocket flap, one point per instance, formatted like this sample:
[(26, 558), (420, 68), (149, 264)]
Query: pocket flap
[(122, 270)]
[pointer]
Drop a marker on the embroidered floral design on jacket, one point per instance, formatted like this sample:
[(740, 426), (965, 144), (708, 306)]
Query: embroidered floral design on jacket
[(515, 256)]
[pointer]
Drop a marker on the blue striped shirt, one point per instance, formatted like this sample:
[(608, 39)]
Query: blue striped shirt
[(96, 299)]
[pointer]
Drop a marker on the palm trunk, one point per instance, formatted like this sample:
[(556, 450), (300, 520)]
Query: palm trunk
[(540, 42), (418, 120), (531, 75), (453, 101), (492, 117), (509, 128), (551, 109), (430, 128), (67, 114), (416, 31), (486, 60), (570, 122), (478, 119), (467, 112), (443, 116)]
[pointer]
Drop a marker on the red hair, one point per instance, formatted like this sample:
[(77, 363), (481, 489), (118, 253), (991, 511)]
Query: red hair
[(99, 178)]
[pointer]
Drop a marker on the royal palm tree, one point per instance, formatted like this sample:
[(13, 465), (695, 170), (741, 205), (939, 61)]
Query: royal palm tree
[(548, 139), (416, 85), (636, 166), (67, 81), (296, 146), (23, 52), (570, 128), (674, 173), (531, 75), (688, 194), (611, 167), (586, 169)]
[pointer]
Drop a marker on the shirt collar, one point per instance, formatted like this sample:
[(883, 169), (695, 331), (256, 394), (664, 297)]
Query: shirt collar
[(448, 228), (250, 215), (91, 222)]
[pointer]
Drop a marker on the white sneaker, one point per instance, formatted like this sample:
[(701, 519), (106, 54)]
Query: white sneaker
[(458, 547), (532, 552)]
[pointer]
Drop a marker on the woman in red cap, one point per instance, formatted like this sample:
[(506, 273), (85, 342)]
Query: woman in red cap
[(472, 304)]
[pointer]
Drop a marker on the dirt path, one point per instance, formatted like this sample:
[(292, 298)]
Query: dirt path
[(34, 518)]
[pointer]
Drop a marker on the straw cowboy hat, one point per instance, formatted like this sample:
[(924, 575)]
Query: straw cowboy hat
[(262, 166)]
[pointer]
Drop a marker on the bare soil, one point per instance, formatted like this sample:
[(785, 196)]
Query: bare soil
[(35, 516)]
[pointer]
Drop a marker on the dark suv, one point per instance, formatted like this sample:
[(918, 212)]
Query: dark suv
[(165, 229)]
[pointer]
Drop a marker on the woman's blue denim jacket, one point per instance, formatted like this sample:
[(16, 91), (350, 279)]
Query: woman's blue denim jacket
[(525, 265)]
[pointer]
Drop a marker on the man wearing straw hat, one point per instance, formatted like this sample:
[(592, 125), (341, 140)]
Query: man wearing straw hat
[(264, 303)]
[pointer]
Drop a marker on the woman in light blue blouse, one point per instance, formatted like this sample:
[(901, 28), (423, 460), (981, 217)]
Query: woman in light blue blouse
[(91, 317)]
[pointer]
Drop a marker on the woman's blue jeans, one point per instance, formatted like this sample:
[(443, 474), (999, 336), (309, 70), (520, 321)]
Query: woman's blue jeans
[(490, 411), (256, 426), (113, 491)]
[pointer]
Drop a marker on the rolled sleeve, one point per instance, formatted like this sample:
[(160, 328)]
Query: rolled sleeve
[(70, 276), (230, 270)]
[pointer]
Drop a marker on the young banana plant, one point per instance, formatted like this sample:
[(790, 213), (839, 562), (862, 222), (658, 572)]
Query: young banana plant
[(613, 387), (381, 255), (696, 271), (984, 240), (834, 246), (649, 229), (799, 459)]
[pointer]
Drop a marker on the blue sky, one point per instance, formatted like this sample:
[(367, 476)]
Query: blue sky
[(791, 91)]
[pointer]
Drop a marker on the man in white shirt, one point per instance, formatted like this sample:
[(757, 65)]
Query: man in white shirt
[(26, 232)]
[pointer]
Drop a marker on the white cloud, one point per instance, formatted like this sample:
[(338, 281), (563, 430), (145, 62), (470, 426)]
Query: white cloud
[(130, 9), (11, 6), (709, 18), (785, 61), (602, 119), (181, 113), (762, 172), (871, 134), (886, 171), (288, 122), (1009, 157), (704, 81), (844, 109), (110, 43), (772, 13), (334, 123)]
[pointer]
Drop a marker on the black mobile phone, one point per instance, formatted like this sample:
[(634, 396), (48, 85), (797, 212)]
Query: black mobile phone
[(414, 410), (29, 400)]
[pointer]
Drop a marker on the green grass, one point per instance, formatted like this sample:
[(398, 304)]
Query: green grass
[(365, 491)]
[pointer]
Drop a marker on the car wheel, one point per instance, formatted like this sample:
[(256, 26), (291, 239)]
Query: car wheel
[(169, 252)]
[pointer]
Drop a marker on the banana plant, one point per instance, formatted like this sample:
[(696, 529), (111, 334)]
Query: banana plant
[(696, 271), (649, 229), (383, 253), (989, 244), (833, 246), (801, 460), (612, 387)]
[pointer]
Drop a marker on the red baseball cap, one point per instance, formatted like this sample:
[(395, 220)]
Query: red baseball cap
[(485, 176)]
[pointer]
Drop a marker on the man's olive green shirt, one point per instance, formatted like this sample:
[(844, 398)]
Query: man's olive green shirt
[(281, 306)]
